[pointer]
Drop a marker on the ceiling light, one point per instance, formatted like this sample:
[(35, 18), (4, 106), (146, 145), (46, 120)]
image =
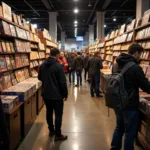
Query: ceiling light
[(89, 5), (35, 25), (75, 25), (28, 22), (114, 19), (75, 21), (76, 10), (105, 26)]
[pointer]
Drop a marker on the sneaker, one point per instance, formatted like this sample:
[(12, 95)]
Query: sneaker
[(61, 137), (51, 134)]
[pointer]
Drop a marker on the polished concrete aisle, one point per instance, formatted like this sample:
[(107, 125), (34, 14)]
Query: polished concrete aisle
[(85, 121)]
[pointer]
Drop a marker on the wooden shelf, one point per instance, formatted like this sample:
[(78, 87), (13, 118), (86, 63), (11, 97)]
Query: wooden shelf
[(15, 53), (34, 67), (144, 59), (142, 27), (109, 54), (10, 22), (143, 39), (110, 39), (15, 69), (122, 42)]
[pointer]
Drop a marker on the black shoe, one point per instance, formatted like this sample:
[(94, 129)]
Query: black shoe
[(61, 137), (51, 134), (99, 95)]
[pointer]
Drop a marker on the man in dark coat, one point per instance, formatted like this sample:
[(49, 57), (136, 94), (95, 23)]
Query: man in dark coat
[(78, 66), (54, 92), (94, 66), (85, 64), (127, 119)]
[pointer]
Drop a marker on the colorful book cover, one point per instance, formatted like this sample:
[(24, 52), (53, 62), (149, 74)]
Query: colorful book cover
[(26, 73), (15, 18), (6, 28), (13, 62), (8, 47), (12, 47), (18, 61), (6, 11), (4, 46), (9, 65), (13, 78), (7, 80), (13, 30), (1, 83), (3, 66)]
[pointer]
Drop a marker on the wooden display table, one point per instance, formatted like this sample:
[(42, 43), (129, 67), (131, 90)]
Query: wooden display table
[(14, 124)]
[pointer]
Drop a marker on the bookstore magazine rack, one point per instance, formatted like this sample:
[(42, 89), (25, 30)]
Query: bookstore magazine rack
[(22, 50), (118, 42)]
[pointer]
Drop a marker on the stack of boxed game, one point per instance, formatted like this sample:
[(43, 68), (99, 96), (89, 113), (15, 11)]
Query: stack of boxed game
[(35, 81), (22, 90), (9, 102)]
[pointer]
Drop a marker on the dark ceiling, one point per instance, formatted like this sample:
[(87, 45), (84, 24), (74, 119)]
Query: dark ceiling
[(37, 12)]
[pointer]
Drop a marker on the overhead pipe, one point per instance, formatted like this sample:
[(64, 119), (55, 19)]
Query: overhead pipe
[(32, 7), (92, 11)]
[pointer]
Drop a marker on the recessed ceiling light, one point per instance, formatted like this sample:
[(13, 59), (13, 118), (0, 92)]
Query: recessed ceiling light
[(76, 10), (28, 22), (105, 26), (75, 21), (89, 5), (114, 19), (75, 25)]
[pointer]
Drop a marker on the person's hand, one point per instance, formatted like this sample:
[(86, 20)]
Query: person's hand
[(69, 68), (65, 99)]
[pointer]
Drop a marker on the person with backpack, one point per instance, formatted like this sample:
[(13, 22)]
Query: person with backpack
[(94, 66), (78, 66), (54, 92), (122, 94)]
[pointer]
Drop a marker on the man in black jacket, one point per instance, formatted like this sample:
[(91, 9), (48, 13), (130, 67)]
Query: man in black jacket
[(85, 64), (94, 66), (127, 119), (54, 92), (78, 66)]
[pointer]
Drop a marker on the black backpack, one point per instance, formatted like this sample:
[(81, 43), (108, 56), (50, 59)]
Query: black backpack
[(116, 95)]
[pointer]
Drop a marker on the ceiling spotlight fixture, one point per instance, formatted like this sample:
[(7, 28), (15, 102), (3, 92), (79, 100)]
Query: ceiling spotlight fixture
[(28, 22), (75, 21), (114, 19), (75, 25), (35, 25), (105, 26), (89, 5), (76, 10)]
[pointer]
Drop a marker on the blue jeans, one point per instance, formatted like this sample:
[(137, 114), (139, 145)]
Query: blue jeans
[(126, 123), (79, 76), (95, 84)]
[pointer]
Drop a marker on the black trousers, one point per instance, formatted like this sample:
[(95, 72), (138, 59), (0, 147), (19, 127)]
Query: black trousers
[(85, 73), (55, 106), (79, 76)]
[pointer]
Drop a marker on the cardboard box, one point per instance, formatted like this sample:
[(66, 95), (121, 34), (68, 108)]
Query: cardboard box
[(8, 105)]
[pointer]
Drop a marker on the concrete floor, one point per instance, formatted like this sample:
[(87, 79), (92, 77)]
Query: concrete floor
[(85, 121)]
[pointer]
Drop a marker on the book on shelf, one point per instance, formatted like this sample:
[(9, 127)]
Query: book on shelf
[(4, 46), (19, 75), (130, 37), (24, 59), (1, 83), (8, 47), (19, 20), (1, 49), (138, 22), (3, 66), (26, 73), (6, 11), (18, 61), (34, 72), (145, 19), (4, 28), (13, 30), (12, 61), (32, 28), (13, 78), (14, 17), (8, 62), (1, 11), (12, 47), (122, 30), (7, 80), (147, 45)]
